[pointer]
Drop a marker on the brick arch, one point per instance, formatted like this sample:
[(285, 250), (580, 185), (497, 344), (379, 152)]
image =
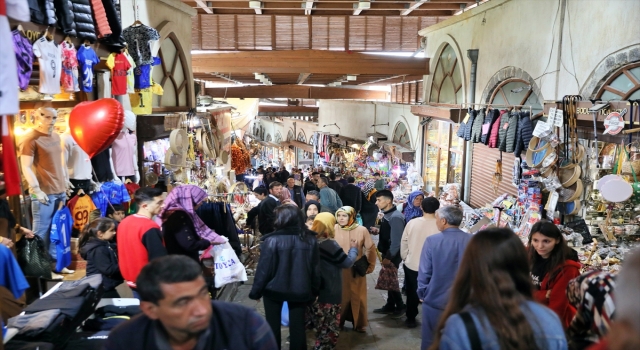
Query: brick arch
[(607, 68), (508, 73)]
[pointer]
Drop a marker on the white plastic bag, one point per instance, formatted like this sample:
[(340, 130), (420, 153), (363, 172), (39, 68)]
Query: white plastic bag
[(228, 267)]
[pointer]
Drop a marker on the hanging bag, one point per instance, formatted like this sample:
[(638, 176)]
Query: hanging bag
[(228, 268), (33, 258), (388, 279)]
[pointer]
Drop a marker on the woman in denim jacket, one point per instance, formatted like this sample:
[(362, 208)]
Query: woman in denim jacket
[(494, 288)]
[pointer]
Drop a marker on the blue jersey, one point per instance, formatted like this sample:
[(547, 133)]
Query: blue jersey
[(142, 74), (116, 193), (87, 58), (61, 237), (100, 200), (11, 276)]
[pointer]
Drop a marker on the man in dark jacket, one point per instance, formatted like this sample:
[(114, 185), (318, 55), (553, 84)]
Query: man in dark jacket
[(391, 229), (334, 184), (265, 215), (284, 175), (311, 184), (296, 192), (351, 195), (178, 312), (261, 193)]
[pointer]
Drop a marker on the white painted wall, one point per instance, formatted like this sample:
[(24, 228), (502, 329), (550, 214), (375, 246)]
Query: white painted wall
[(521, 33)]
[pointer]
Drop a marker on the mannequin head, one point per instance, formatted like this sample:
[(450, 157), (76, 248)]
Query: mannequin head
[(45, 119), (129, 121)]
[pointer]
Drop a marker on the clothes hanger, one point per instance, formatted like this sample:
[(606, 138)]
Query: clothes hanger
[(137, 23), (81, 192), (21, 30), (87, 43), (47, 35), (127, 181)]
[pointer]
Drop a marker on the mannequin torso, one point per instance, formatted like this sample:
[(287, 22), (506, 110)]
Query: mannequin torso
[(45, 153)]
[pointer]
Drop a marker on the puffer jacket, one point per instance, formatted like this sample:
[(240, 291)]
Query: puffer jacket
[(64, 10), (288, 269), (469, 126), (51, 12), (39, 11), (489, 120), (524, 134), (83, 19), (102, 260), (502, 133), (476, 129), (102, 23), (495, 131), (463, 126), (512, 132)]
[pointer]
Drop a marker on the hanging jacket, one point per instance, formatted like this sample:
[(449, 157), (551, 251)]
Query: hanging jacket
[(215, 217), (40, 11), (512, 132), (463, 126), (64, 10), (181, 237), (102, 23), (102, 260), (469, 125), (476, 129), (524, 134), (495, 131), (489, 120), (502, 133), (83, 19), (51, 18)]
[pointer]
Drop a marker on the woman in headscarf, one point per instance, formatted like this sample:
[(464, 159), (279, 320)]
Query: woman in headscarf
[(413, 207), (184, 232), (354, 286), (324, 313), (285, 197), (311, 208), (369, 210)]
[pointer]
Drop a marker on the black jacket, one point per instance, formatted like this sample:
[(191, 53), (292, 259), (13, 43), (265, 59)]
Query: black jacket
[(369, 211), (232, 326), (102, 260), (284, 176), (297, 195), (266, 216), (332, 261), (252, 215), (180, 236), (64, 12), (288, 269), (310, 186), (351, 195), (83, 19), (336, 186)]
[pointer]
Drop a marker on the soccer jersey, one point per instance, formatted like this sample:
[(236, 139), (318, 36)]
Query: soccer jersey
[(81, 207), (101, 202), (8, 76), (87, 58), (24, 58), (50, 60), (61, 237), (119, 66), (139, 39), (69, 67), (116, 193), (142, 74), (130, 75)]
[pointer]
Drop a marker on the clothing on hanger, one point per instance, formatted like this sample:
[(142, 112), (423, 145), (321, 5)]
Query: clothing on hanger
[(24, 58), (218, 217)]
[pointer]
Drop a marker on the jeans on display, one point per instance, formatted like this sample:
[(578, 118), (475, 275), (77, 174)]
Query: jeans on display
[(42, 217), (411, 281)]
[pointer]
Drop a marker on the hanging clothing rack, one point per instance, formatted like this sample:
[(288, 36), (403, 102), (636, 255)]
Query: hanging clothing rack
[(464, 105)]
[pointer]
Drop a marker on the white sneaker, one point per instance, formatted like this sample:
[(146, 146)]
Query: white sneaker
[(66, 271), (55, 276)]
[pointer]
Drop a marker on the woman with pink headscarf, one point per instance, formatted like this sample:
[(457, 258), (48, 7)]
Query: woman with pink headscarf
[(184, 232), (285, 197)]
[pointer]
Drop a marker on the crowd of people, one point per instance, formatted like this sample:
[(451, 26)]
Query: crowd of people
[(480, 291)]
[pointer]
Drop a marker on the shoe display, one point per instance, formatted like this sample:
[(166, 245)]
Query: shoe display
[(400, 312), (383, 310), (410, 323)]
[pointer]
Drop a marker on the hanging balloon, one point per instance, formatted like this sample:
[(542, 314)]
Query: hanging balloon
[(95, 125)]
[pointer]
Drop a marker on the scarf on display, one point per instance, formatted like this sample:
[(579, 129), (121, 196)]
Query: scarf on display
[(411, 211), (324, 222), (353, 223), (185, 198), (591, 295)]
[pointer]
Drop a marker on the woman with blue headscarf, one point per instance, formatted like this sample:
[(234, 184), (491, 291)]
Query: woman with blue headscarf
[(414, 206)]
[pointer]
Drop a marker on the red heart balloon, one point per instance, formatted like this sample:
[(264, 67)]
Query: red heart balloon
[(95, 125)]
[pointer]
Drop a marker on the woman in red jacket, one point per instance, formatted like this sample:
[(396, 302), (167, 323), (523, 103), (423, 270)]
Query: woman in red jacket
[(553, 265)]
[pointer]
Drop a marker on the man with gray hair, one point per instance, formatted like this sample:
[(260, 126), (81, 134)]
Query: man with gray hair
[(439, 261)]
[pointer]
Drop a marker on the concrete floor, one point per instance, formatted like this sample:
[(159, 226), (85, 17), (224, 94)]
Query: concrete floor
[(383, 333)]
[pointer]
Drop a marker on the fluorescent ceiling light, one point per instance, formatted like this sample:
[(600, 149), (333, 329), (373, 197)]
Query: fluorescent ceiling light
[(255, 4), (364, 5), (351, 78)]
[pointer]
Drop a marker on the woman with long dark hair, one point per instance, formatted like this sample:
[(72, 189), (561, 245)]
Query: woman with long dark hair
[(100, 254), (491, 304), (288, 271), (553, 264)]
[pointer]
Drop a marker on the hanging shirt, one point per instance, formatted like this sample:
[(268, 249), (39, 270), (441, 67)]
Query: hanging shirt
[(139, 39), (69, 67), (61, 236), (119, 66), (87, 58), (8, 76), (50, 61), (116, 193), (11, 276), (78, 161), (24, 58), (142, 74), (81, 207), (141, 100), (130, 78), (123, 155), (100, 201)]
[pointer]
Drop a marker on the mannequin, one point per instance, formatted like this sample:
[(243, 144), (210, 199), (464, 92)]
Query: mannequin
[(43, 166), (125, 150), (78, 163)]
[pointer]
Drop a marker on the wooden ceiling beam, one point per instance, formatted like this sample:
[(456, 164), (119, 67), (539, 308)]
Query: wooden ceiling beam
[(414, 5), (297, 91), (201, 4), (303, 77), (308, 61), (284, 109)]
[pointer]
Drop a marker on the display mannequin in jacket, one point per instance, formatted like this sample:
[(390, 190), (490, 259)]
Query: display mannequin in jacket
[(288, 270), (504, 312), (553, 264), (96, 248), (324, 314)]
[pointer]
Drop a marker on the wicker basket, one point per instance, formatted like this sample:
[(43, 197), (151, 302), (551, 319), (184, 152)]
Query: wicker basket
[(173, 121)]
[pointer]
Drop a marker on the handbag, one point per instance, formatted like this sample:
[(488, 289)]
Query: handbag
[(33, 258), (472, 331), (361, 266), (388, 279)]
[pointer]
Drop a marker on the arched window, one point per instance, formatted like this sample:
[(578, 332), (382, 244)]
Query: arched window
[(268, 139), (401, 135), (516, 92), (302, 137), (289, 135), (172, 74), (278, 138), (623, 85), (447, 79)]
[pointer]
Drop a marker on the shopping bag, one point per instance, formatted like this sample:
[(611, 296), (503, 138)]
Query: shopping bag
[(388, 279), (284, 315), (359, 219), (33, 258), (228, 268)]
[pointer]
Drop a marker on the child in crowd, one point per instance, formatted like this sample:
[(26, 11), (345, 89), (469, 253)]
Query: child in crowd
[(100, 255), (309, 221), (115, 212)]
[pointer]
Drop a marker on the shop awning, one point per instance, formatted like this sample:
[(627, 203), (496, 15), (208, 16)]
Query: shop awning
[(303, 146), (445, 113), (398, 151)]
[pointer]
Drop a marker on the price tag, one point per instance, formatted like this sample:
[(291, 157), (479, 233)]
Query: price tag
[(466, 118), (559, 118), (542, 129), (552, 115)]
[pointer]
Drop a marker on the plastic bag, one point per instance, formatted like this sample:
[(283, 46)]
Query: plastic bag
[(33, 258), (359, 219), (228, 268), (284, 314)]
